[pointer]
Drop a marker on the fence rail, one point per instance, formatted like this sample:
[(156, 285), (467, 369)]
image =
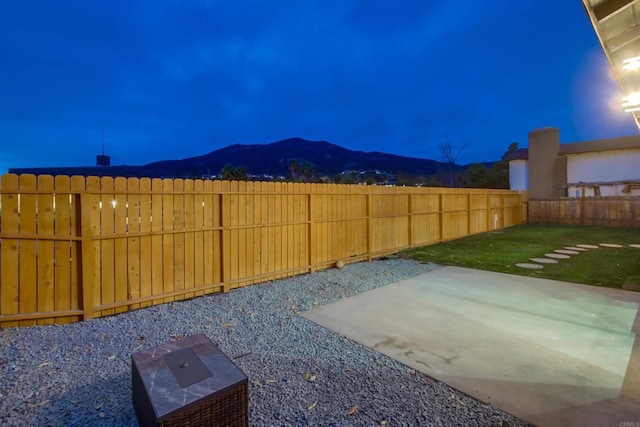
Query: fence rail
[(74, 248), (593, 211)]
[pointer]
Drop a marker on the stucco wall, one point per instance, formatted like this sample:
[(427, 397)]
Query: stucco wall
[(519, 174), (604, 166)]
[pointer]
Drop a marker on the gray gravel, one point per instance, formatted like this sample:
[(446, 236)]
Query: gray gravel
[(299, 373)]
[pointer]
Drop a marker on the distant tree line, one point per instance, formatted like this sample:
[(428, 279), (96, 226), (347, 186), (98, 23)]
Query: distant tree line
[(477, 175)]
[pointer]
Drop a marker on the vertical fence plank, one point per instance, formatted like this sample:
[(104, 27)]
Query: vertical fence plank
[(225, 217), (45, 253), (146, 260), (157, 249), (28, 247), (133, 242), (210, 254), (9, 248), (107, 246), (178, 237), (168, 278), (218, 255), (198, 236), (62, 249), (78, 191), (88, 220), (120, 258), (189, 226), (232, 235)]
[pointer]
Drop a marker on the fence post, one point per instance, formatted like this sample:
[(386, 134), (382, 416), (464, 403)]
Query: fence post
[(87, 255)]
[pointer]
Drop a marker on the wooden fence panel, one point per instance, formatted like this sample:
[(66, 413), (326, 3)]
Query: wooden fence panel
[(593, 211), (77, 247)]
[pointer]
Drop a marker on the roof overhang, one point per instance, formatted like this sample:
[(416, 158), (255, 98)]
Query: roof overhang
[(617, 25)]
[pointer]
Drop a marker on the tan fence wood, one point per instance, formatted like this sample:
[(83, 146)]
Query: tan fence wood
[(62, 249), (98, 246), (45, 291), (9, 248), (28, 248)]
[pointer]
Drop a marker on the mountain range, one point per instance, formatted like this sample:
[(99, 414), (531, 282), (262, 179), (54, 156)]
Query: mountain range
[(265, 160)]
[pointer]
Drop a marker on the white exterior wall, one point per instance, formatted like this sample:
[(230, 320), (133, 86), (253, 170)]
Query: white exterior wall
[(604, 166), (519, 174)]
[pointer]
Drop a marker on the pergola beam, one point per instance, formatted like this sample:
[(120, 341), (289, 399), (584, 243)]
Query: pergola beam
[(610, 8)]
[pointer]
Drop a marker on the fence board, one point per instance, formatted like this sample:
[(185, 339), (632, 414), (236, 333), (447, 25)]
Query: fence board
[(45, 251), (168, 265), (62, 249), (189, 236), (133, 243), (157, 272), (9, 248), (120, 269), (28, 248)]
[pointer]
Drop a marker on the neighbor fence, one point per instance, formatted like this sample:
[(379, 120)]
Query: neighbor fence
[(74, 248), (595, 211)]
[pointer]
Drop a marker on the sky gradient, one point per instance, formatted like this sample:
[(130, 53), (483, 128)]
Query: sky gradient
[(171, 79)]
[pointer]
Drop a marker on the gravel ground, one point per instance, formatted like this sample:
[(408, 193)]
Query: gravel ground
[(299, 373)]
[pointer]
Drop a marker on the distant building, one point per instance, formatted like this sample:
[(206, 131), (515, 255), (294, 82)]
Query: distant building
[(605, 167)]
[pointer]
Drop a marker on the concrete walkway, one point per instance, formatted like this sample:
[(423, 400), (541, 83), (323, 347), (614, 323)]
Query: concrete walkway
[(552, 353)]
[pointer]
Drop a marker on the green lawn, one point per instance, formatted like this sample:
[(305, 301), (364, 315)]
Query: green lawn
[(500, 250)]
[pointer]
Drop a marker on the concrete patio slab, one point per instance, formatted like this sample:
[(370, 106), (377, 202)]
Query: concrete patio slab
[(552, 353)]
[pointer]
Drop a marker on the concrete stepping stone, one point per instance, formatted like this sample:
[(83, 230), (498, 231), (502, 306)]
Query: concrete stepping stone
[(588, 246), (544, 260), (566, 252), (557, 256), (574, 248), (635, 246), (529, 266), (610, 245)]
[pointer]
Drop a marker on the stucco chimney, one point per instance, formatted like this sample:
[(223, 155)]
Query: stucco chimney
[(547, 168)]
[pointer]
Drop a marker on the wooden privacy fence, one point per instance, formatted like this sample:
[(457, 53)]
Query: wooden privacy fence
[(74, 248), (595, 211)]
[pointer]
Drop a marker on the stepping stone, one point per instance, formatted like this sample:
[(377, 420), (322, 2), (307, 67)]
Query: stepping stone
[(610, 245), (566, 252), (574, 248), (529, 266), (635, 246), (588, 246), (557, 256), (544, 260)]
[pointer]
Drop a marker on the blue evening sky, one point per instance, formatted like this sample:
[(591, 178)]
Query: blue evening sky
[(171, 79)]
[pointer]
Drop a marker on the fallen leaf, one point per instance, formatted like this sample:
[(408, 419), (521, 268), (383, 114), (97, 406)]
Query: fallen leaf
[(42, 365), (113, 357), (227, 325), (346, 370), (353, 410), (384, 423), (99, 405), (313, 405), (257, 383), (308, 376), (270, 381)]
